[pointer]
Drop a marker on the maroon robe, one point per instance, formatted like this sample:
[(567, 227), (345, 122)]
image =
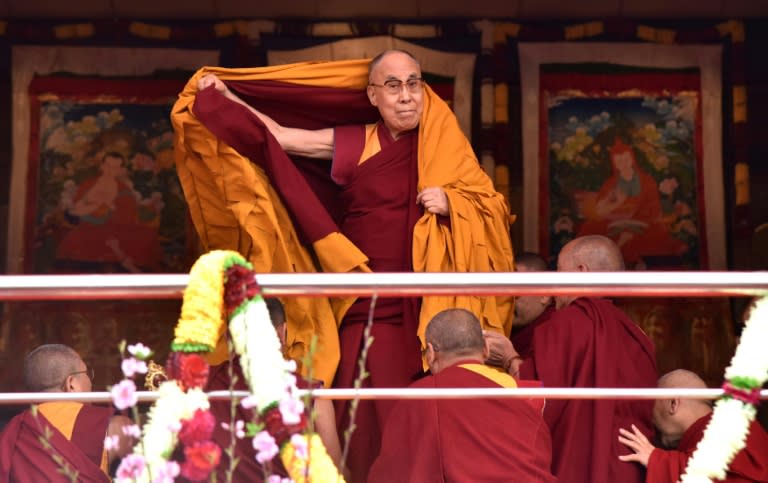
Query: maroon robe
[(591, 343), (750, 464), (247, 469), (372, 199), (23, 459), (522, 339), (464, 440)]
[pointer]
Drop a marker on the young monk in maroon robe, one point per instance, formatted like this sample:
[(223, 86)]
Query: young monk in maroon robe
[(404, 193), (483, 439), (588, 342), (681, 424), (77, 431)]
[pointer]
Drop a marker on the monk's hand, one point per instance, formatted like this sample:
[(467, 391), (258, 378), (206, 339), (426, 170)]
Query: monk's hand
[(434, 200), (211, 80), (501, 352), (638, 443)]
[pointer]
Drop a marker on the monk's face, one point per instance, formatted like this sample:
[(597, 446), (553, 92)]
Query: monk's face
[(400, 102), (528, 308)]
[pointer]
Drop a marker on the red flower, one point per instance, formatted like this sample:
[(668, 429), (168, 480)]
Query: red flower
[(273, 424), (197, 429), (240, 284), (190, 370), (200, 459)]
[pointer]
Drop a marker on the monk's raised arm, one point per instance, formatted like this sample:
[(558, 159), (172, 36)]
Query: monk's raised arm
[(302, 142)]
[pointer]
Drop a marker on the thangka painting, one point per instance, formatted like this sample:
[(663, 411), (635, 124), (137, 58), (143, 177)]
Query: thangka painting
[(620, 156), (625, 141), (103, 195)]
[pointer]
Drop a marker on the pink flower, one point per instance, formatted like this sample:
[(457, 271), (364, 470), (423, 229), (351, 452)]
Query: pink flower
[(111, 442), (248, 402), (131, 468), (133, 430), (291, 410), (300, 446), (277, 479), (265, 447), (239, 428), (167, 473), (132, 366), (124, 394), (139, 351)]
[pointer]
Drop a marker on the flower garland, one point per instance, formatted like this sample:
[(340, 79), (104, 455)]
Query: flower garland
[(728, 429), (222, 286)]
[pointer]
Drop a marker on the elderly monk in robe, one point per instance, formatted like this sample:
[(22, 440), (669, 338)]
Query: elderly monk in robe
[(351, 166), (588, 342), (77, 430), (681, 424), (486, 439)]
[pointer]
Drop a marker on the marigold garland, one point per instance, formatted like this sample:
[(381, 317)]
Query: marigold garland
[(727, 431), (222, 287)]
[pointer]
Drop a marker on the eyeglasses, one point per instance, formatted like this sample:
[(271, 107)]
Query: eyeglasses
[(89, 372), (394, 86)]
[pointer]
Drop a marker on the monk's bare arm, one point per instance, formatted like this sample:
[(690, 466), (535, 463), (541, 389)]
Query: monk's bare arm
[(302, 142), (325, 425)]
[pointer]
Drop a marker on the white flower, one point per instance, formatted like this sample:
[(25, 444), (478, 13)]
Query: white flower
[(140, 351), (728, 429)]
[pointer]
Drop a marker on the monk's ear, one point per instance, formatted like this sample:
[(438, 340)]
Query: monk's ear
[(69, 384), (430, 355), (674, 406), (371, 95)]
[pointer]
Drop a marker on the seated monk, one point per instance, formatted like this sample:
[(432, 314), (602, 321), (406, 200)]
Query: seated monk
[(681, 424), (76, 432), (487, 439), (248, 469)]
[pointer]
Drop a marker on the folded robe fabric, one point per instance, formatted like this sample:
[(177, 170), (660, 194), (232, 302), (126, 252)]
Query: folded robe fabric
[(246, 194)]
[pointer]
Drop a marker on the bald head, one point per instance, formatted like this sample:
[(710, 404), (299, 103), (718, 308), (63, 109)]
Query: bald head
[(673, 416), (683, 379), (377, 60), (591, 253), (530, 262), (47, 367), (455, 332)]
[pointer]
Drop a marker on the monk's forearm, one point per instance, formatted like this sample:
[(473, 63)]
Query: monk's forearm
[(316, 144)]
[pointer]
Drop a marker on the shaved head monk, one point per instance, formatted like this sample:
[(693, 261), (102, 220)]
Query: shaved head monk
[(680, 424), (77, 430), (361, 167), (588, 342), (482, 439)]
